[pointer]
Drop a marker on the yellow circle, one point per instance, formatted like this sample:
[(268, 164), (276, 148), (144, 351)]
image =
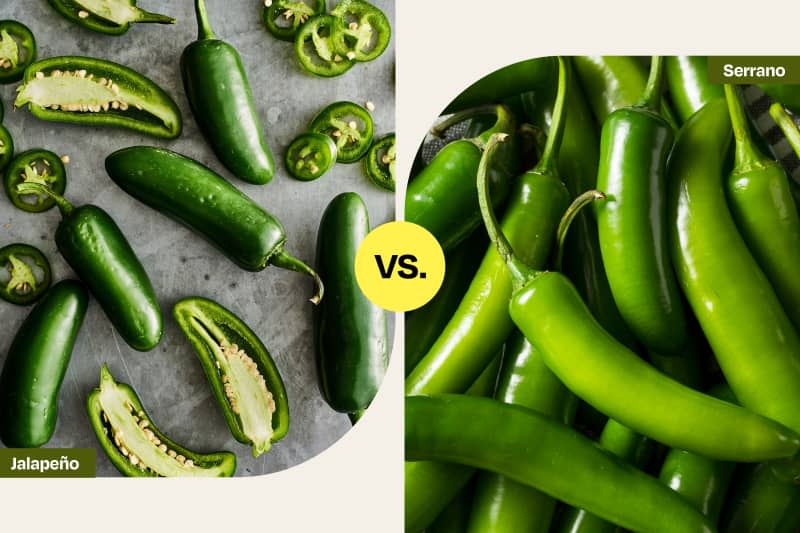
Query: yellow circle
[(400, 266)]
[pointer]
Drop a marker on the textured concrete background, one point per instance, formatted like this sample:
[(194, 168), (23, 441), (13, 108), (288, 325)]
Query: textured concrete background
[(169, 380)]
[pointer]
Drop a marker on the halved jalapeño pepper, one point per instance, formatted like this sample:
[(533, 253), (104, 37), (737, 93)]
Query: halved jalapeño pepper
[(242, 374), (22, 286), (85, 90), (112, 17), (313, 46), (379, 162), (17, 50), (350, 127), (310, 155), (35, 166), (6, 145), (135, 446), (361, 31), (283, 18)]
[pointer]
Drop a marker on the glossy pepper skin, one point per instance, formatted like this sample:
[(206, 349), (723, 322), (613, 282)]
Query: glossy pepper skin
[(505, 82), (36, 363), (548, 310), (431, 485), (38, 166), (23, 287), (499, 503), (94, 246), (223, 106), (6, 147), (751, 336), (112, 407), (18, 40), (613, 82), (197, 197), (442, 199), (689, 88), (350, 337), (211, 329), (759, 501), (110, 22), (764, 210), (634, 146), (537, 451), (141, 105), (785, 93)]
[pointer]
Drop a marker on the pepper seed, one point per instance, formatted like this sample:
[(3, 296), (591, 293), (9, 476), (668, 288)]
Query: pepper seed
[(83, 14), (369, 105)]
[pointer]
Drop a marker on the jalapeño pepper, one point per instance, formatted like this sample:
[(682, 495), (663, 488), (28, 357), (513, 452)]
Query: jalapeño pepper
[(361, 31), (93, 245), (283, 18), (36, 363), (135, 446), (17, 51), (23, 287), (314, 48), (222, 103), (112, 17), (245, 381), (350, 127), (42, 167), (379, 163), (309, 156), (85, 90), (6, 147)]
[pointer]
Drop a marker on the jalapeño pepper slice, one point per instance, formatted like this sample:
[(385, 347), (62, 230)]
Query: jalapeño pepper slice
[(22, 286), (313, 46), (361, 31), (112, 17), (242, 374), (350, 127), (17, 50), (85, 90), (283, 18), (6, 146), (35, 166), (135, 446), (379, 162), (310, 155)]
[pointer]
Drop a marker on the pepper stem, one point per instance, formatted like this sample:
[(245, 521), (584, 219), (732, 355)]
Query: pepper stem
[(439, 129), (747, 154), (63, 205), (520, 272), (569, 215), (548, 164), (787, 125), (651, 98), (204, 30), (157, 18), (284, 260)]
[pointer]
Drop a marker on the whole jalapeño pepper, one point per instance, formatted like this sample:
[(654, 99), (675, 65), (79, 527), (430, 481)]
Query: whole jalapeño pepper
[(222, 103)]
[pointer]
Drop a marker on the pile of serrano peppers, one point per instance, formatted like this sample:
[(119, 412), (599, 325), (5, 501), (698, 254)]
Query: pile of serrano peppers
[(626, 354), (350, 333)]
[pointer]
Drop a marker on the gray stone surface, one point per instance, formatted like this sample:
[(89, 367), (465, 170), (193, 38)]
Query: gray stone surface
[(274, 302)]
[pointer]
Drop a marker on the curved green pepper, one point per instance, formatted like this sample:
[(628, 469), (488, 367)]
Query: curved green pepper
[(350, 127), (93, 245), (751, 335), (455, 517), (313, 46), (245, 381), (550, 313), (689, 88), (85, 90), (787, 94), (350, 338), (35, 166), (6, 147), (36, 363), (17, 51), (763, 208), (442, 198), (222, 103), (361, 31), (309, 156), (634, 146), (23, 288), (197, 197), (283, 18), (543, 453), (135, 446), (112, 17), (380, 160), (760, 501)]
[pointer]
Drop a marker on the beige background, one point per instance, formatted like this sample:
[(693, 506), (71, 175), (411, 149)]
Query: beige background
[(442, 46)]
